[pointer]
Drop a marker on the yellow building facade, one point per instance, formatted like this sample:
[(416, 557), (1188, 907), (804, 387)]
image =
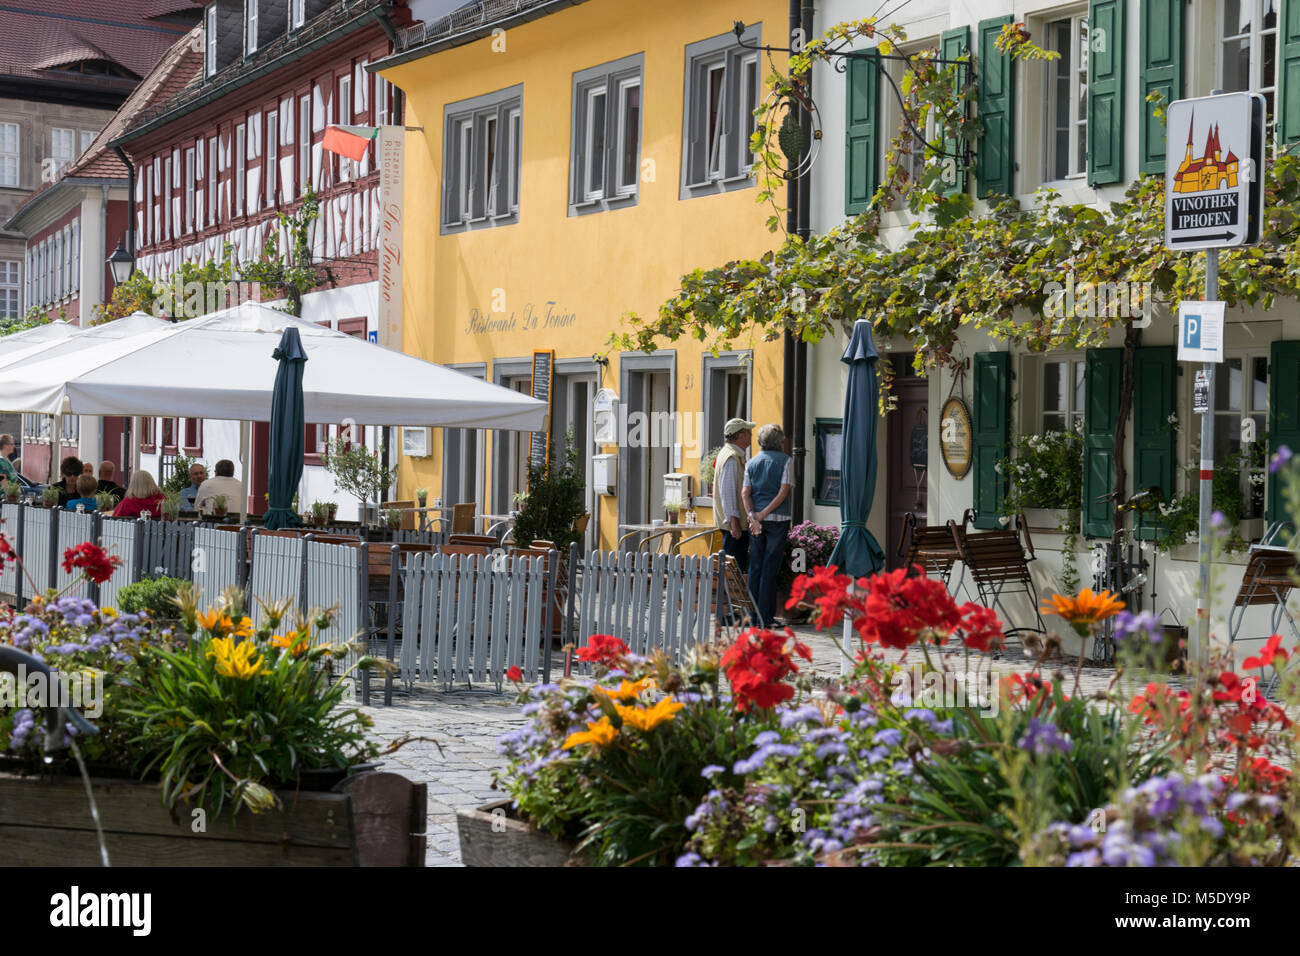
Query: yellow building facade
[(530, 225)]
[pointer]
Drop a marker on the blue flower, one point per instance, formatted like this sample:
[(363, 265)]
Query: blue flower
[(712, 770), (1279, 459), (889, 737), (1042, 737), (1128, 624)]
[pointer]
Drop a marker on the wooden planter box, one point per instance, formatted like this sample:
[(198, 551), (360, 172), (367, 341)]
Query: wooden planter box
[(493, 835), (369, 819)]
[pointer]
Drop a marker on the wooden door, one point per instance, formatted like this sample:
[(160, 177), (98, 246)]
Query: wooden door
[(905, 466)]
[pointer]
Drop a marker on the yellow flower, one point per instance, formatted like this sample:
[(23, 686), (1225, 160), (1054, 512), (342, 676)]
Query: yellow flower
[(244, 628), (600, 733), (295, 643), (627, 690), (236, 660), (107, 612), (648, 718), (1087, 608)]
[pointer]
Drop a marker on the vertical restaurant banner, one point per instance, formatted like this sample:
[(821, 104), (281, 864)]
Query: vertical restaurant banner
[(543, 372), (391, 173)]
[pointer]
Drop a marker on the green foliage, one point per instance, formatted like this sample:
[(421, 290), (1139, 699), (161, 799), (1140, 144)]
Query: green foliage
[(289, 272), (35, 317), (357, 470), (1237, 476), (155, 595), (706, 465), (556, 499), (179, 476), (1045, 472)]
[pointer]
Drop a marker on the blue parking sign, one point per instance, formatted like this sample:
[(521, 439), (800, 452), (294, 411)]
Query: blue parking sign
[(1192, 331), (373, 336)]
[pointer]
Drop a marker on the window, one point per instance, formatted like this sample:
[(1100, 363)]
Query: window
[(87, 137), (481, 160), (1067, 99), (1063, 396), (304, 145), (193, 436), (169, 436), (272, 154), (10, 290), (210, 38), (148, 435), (250, 27), (167, 199), (189, 189), (214, 181), (241, 167), (1241, 393), (1248, 50), (722, 91), (8, 154), (606, 144), (828, 440), (296, 13), (345, 165), (76, 255), (62, 147)]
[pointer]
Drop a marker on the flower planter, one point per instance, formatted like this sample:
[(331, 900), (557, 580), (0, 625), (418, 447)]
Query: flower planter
[(1047, 519), (493, 835), (369, 819)]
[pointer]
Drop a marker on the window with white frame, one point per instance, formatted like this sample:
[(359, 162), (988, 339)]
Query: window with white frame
[(9, 156), (304, 145), (1062, 390), (210, 40), (346, 168), (1247, 50), (241, 167), (189, 190), (297, 13), (250, 27), (87, 137), (606, 135), (10, 289), (481, 160), (167, 199), (63, 148), (1066, 121), (272, 154), (722, 91), (214, 181), (1241, 411)]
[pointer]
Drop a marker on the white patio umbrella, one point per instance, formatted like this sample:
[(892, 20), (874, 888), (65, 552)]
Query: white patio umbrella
[(221, 367), (49, 332), (63, 338)]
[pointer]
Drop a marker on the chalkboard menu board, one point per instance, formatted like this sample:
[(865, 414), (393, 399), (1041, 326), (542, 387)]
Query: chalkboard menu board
[(543, 373)]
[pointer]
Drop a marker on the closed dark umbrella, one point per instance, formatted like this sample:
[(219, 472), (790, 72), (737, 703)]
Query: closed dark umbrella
[(287, 426), (857, 552)]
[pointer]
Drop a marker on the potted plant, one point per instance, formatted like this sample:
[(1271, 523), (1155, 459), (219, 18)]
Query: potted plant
[(218, 506), (333, 507), (357, 471), (393, 518), (105, 502), (706, 470), (673, 510), (170, 508), (557, 496), (320, 513), (50, 497), (422, 496), (13, 492)]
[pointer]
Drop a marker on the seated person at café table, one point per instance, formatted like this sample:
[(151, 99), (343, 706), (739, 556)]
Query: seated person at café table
[(86, 488), (198, 475), (69, 472), (108, 480), (223, 484), (8, 472), (142, 494)]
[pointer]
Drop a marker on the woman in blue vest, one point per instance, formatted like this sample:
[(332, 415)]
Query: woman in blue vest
[(766, 494)]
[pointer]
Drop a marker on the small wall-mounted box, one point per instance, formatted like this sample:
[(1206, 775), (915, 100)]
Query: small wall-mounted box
[(677, 487), (417, 442), (604, 474)]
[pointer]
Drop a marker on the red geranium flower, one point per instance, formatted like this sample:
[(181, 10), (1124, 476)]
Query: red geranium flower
[(757, 663), (899, 606), (514, 674), (1272, 649), (980, 627), (603, 649), (97, 564)]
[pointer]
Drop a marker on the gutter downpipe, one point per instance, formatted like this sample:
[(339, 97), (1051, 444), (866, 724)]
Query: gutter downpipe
[(132, 449), (788, 347)]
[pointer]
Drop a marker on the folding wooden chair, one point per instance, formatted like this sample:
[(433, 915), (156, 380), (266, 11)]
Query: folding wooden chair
[(736, 607), (1268, 580), (998, 564), (933, 547), (478, 540)]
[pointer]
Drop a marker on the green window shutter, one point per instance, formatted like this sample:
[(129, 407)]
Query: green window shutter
[(1283, 417), (1102, 371), (1155, 442), (1105, 92), (997, 104), (992, 434), (1160, 35), (861, 168), (953, 44), (1288, 103)]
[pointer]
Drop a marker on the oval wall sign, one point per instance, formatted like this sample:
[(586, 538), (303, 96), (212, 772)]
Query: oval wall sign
[(955, 437)]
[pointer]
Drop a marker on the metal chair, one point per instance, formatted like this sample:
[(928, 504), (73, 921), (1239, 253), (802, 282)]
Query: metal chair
[(1269, 578), (710, 541)]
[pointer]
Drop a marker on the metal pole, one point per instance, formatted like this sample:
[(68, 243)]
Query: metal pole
[(1201, 647)]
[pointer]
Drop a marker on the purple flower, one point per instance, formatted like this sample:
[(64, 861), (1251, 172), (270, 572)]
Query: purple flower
[(712, 770), (1128, 624), (1042, 737), (1217, 519), (1279, 459)]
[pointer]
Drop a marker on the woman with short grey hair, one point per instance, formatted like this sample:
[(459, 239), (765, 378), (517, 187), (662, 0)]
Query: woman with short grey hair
[(766, 493)]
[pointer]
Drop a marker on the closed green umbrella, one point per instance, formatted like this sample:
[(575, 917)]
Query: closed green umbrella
[(287, 428), (857, 553)]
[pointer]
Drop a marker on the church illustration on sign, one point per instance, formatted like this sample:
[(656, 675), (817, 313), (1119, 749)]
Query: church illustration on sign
[(1208, 172)]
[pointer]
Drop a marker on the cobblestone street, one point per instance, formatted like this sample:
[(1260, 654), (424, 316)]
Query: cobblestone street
[(467, 722)]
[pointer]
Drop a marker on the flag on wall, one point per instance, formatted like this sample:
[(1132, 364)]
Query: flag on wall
[(350, 141)]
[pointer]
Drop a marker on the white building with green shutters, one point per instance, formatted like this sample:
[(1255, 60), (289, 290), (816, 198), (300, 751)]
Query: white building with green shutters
[(1080, 125)]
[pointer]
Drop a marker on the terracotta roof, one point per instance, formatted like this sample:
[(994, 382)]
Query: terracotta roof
[(1232, 157), (42, 40)]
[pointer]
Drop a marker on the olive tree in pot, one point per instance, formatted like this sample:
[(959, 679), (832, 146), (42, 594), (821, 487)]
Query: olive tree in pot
[(357, 471), (556, 499)]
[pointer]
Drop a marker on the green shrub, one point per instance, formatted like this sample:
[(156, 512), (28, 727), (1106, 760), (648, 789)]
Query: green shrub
[(152, 594)]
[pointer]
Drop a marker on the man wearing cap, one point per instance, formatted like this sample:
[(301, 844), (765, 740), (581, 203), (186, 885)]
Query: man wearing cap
[(728, 506)]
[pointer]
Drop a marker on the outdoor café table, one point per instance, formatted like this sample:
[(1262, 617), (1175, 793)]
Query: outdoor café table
[(491, 524)]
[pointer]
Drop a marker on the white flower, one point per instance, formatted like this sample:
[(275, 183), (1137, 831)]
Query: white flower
[(1041, 473), (998, 468), (1173, 418)]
